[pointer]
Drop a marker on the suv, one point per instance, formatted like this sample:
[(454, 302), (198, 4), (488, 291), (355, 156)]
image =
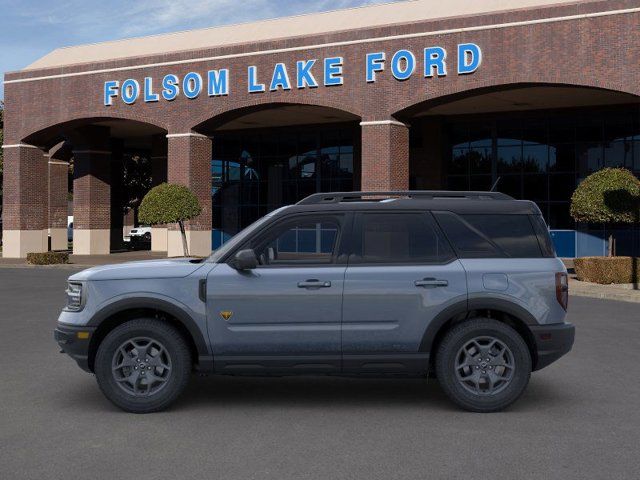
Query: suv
[(464, 286), (138, 237)]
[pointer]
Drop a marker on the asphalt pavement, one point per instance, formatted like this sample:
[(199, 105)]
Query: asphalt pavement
[(580, 417)]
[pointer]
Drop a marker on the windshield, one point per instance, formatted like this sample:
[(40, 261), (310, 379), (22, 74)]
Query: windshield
[(240, 237)]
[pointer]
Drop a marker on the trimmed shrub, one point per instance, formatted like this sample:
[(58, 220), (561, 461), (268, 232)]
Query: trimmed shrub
[(611, 195), (606, 270), (48, 258), (170, 203)]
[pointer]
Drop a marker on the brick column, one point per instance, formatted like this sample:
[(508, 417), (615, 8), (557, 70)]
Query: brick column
[(91, 191), (116, 241), (58, 191), (158, 175), (189, 163), (24, 209), (385, 155)]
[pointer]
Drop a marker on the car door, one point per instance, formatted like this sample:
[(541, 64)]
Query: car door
[(402, 273), (284, 315)]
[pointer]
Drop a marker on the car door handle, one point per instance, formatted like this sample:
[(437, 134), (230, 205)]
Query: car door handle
[(431, 283), (313, 283)]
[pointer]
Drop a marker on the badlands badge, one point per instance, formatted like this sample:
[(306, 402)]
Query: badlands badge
[(226, 314)]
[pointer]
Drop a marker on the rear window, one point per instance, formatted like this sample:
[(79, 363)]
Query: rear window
[(544, 239), (490, 235), (399, 238)]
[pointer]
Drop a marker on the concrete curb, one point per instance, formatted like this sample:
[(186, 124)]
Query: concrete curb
[(622, 293), (59, 265)]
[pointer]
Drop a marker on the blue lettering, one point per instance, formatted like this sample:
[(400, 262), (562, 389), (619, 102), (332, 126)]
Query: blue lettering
[(469, 58), (333, 71), (280, 78), (434, 57), (304, 76), (110, 92), (130, 91), (375, 63), (218, 82), (192, 85), (403, 64), (149, 96), (254, 86), (170, 87)]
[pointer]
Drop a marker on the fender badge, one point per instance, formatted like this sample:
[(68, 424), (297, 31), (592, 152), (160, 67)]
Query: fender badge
[(226, 314)]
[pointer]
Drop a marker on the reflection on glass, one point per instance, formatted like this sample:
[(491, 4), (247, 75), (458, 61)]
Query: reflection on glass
[(539, 155), (255, 172)]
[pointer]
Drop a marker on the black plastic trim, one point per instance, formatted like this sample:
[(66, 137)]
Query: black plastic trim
[(456, 309), (78, 349), (156, 304), (277, 364), (513, 309), (552, 342)]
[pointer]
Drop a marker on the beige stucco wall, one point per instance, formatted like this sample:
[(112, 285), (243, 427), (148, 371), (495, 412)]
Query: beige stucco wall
[(17, 243)]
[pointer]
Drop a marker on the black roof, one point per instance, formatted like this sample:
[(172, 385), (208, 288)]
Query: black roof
[(457, 202)]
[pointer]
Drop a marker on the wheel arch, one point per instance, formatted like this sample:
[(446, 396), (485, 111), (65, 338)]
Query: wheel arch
[(504, 311), (121, 311)]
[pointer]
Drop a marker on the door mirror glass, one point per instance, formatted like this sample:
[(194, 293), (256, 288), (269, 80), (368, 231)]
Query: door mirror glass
[(245, 260)]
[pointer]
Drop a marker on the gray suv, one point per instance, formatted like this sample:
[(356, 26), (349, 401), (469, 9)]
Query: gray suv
[(463, 286)]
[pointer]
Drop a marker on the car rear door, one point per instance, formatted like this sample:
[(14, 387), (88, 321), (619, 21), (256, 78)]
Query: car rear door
[(401, 274)]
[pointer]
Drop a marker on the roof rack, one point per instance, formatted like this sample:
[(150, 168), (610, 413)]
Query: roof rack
[(337, 197)]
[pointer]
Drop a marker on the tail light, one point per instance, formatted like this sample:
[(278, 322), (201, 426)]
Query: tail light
[(562, 289)]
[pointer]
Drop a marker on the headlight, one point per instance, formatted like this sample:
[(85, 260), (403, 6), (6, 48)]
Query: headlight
[(74, 297)]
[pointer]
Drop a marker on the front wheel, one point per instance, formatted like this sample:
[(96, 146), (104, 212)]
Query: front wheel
[(143, 365), (483, 365)]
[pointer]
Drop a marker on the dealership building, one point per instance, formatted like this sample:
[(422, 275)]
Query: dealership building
[(421, 94)]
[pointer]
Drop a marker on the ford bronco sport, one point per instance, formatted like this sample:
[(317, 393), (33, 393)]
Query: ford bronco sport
[(463, 286)]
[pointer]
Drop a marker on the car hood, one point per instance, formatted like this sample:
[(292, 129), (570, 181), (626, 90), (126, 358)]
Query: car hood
[(166, 268)]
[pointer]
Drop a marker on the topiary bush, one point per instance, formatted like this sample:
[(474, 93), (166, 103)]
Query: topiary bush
[(607, 270), (48, 258), (170, 203), (611, 195)]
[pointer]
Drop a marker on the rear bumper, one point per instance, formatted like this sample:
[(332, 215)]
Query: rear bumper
[(74, 345), (552, 342)]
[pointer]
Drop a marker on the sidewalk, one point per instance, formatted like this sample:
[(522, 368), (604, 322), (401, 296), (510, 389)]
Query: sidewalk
[(89, 260), (622, 292)]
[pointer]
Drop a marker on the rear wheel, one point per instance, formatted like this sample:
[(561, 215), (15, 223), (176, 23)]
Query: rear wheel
[(143, 365), (483, 365)]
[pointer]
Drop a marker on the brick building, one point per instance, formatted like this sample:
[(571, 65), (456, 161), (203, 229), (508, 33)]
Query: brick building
[(417, 94)]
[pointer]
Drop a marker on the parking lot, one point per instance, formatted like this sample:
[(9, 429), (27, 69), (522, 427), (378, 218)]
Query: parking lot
[(578, 419)]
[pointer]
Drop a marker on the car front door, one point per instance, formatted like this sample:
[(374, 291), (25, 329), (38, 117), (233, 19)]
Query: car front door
[(284, 315), (401, 274)]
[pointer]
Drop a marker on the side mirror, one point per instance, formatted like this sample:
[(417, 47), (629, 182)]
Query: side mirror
[(245, 260)]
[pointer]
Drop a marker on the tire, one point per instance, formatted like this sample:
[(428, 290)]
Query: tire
[(483, 365), (160, 375)]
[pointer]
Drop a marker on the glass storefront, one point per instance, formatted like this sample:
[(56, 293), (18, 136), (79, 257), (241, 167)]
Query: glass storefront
[(255, 172), (541, 156)]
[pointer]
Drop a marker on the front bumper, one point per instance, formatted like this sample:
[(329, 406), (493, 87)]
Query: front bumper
[(552, 342), (75, 341)]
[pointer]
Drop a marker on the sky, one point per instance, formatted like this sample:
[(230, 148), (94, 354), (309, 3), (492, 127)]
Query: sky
[(30, 29)]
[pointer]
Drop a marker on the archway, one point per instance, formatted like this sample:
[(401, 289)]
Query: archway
[(271, 155), (536, 141), (113, 162)]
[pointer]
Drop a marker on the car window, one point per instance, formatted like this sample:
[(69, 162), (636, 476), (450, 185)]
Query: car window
[(514, 234), (307, 240), (399, 238), (544, 239), (490, 235)]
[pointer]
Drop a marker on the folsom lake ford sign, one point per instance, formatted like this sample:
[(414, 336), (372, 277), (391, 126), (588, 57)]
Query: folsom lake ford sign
[(310, 73)]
